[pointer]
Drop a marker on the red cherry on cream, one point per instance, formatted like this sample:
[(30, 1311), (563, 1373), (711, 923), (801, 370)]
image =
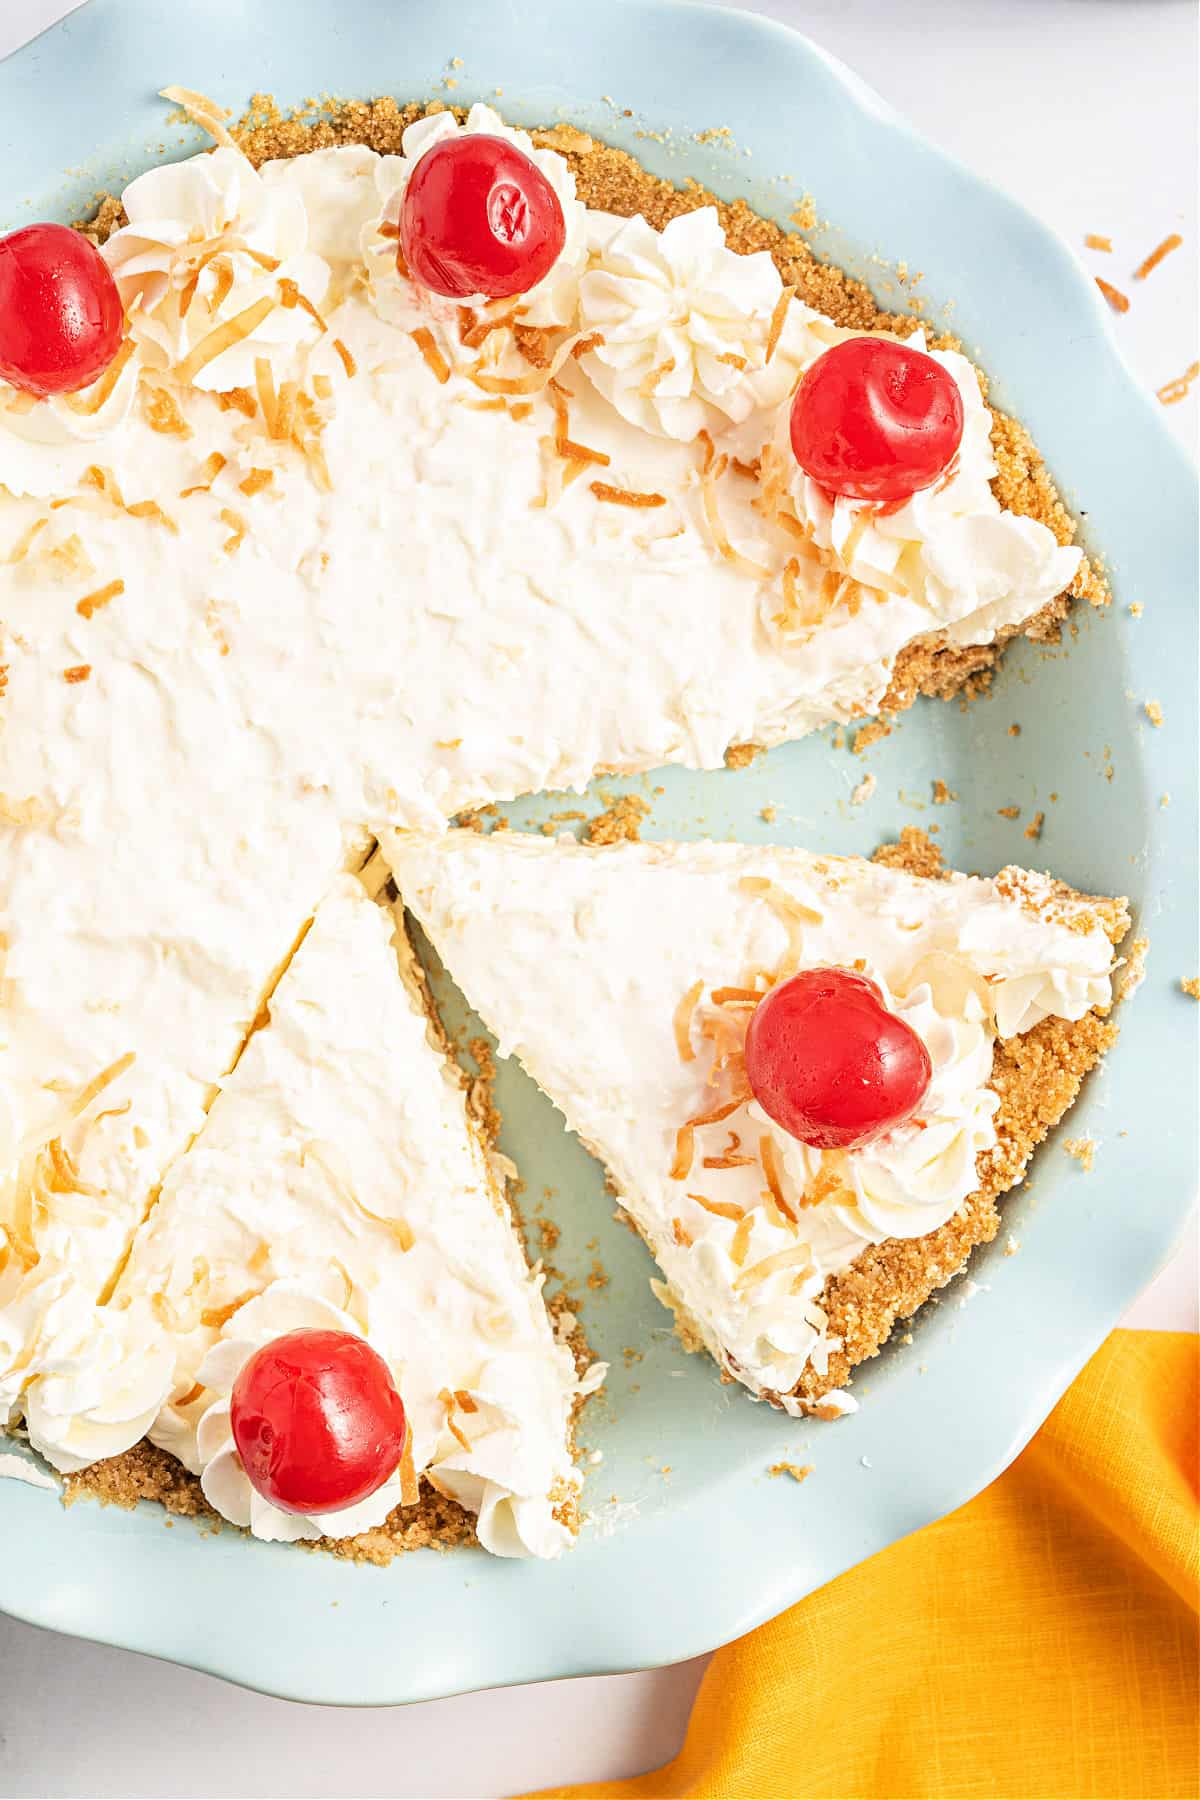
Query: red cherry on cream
[(830, 1064), (60, 313), (875, 420), (479, 217), (317, 1421)]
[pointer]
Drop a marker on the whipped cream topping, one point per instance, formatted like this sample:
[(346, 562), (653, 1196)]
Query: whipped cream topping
[(223, 1479), (582, 962), (951, 549), (102, 1382), (207, 240), (686, 324), (337, 1181), (46, 444), (554, 300), (234, 646)]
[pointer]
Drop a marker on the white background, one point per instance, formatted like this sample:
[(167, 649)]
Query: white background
[(1085, 110)]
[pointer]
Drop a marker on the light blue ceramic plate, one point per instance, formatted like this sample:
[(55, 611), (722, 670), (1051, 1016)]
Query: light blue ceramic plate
[(691, 1543)]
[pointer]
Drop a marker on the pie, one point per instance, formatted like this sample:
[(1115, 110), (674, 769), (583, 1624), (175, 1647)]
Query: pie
[(326, 556)]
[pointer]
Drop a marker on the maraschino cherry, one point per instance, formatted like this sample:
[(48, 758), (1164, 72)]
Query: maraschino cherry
[(60, 312), (479, 217), (875, 420), (830, 1064), (317, 1421)]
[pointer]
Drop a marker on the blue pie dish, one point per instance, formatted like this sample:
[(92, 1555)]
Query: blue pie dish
[(690, 1542)]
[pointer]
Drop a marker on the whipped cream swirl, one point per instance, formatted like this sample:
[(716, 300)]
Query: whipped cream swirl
[(46, 444), (280, 1308), (101, 1381), (554, 300), (972, 567), (207, 240), (686, 324)]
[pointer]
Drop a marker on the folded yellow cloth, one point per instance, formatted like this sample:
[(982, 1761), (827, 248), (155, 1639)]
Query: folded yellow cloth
[(1040, 1642)]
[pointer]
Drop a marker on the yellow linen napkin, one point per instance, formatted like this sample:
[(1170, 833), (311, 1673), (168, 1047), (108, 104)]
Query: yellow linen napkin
[(1040, 1642)]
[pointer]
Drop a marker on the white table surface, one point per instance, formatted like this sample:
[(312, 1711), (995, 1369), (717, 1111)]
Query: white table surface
[(1103, 139)]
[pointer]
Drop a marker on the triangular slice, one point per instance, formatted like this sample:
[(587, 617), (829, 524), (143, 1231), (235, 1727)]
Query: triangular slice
[(623, 978), (341, 1180)]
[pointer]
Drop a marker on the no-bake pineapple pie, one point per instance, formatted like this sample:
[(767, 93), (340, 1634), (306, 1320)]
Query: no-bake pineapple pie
[(358, 473)]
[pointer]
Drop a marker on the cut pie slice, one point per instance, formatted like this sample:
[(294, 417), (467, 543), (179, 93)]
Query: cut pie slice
[(623, 977), (342, 1183)]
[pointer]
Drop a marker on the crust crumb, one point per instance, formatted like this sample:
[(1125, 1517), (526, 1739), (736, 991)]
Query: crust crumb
[(797, 1471), (916, 854), (620, 823), (1083, 1150), (1154, 712), (740, 756), (1191, 985), (871, 734)]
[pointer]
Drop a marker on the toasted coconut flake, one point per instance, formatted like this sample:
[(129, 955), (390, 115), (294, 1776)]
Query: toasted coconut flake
[(85, 405), (348, 362), (796, 1256), (217, 1316), (386, 228), (521, 410), (792, 913), (161, 412), (322, 387), (735, 996), (768, 1155), (726, 1162), (721, 1209), (77, 673), (681, 1234), (740, 1241), (449, 1402), (201, 111), (91, 603), (237, 526), (854, 536), (749, 469), (537, 379), (616, 496), (98, 1083), (410, 1489), (256, 481), (150, 509), (716, 527), (223, 337), (24, 543), (283, 422), (290, 296), (1116, 299), (238, 399), (685, 1137), (778, 320), (733, 359), (189, 1395), (684, 1014), (1095, 241), (222, 268), (1172, 392), (496, 404), (533, 342), (212, 468), (105, 483), (581, 454), (649, 383), (423, 338), (466, 1402), (1156, 256), (710, 451)]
